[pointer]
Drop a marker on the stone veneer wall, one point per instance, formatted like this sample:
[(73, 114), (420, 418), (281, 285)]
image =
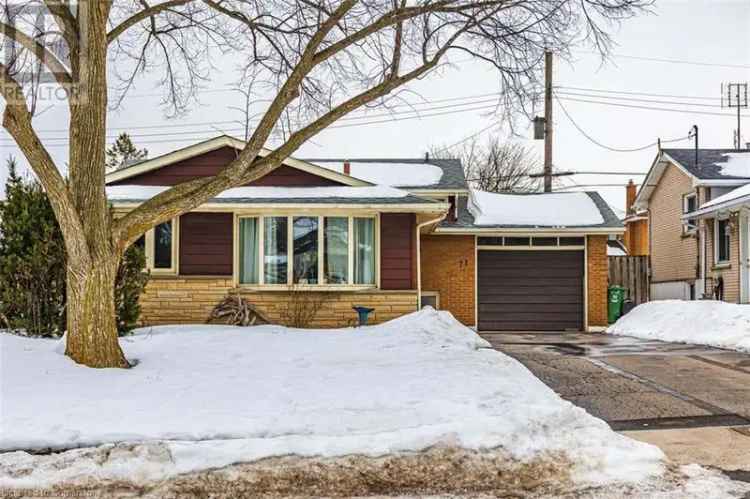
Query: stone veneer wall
[(183, 300)]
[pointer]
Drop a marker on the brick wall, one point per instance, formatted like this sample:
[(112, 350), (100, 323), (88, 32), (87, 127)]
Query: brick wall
[(597, 277), (190, 301), (673, 254), (448, 267)]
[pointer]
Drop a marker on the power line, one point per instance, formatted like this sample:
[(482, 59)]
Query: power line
[(646, 94), (615, 149), (430, 115), (633, 99), (354, 116), (632, 106), (411, 114), (672, 61), (473, 135)]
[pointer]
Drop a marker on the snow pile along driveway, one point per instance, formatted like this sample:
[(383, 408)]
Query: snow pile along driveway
[(712, 323), (217, 395)]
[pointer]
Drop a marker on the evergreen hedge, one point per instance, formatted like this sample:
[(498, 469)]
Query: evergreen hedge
[(32, 265)]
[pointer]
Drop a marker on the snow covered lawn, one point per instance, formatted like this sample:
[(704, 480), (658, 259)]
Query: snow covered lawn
[(712, 323), (211, 396)]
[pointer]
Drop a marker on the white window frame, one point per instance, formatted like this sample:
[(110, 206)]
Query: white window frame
[(150, 246), (687, 227), (321, 286), (717, 242)]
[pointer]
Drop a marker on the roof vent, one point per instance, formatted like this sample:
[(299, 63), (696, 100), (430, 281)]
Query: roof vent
[(347, 168)]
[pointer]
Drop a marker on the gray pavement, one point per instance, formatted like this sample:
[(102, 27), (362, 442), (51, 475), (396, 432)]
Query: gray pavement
[(691, 401), (636, 384)]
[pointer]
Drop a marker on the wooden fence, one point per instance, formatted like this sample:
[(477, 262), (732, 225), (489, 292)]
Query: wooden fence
[(630, 272)]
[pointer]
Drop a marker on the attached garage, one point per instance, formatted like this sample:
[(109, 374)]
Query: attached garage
[(530, 290)]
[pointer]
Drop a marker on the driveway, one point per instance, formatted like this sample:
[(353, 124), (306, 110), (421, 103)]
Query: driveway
[(692, 401)]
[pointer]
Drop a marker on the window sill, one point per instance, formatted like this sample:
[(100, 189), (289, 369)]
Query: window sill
[(721, 266), (688, 233), (309, 287)]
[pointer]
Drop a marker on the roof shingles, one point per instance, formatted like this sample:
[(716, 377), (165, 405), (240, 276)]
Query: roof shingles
[(709, 164)]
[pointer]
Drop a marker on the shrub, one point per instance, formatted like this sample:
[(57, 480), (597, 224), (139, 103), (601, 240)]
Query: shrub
[(32, 265)]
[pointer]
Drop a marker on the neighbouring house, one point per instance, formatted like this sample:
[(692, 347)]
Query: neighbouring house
[(390, 234), (697, 223), (635, 238)]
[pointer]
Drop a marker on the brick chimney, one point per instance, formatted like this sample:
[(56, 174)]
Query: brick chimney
[(347, 168), (630, 192)]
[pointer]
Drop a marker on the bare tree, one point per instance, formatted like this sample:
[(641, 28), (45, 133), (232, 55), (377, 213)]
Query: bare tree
[(495, 166), (317, 60)]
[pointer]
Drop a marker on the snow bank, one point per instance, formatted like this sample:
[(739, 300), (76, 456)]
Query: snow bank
[(143, 192), (389, 173), (568, 209), (713, 323), (208, 396)]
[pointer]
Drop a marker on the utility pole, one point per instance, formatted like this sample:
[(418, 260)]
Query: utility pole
[(547, 121), (736, 97)]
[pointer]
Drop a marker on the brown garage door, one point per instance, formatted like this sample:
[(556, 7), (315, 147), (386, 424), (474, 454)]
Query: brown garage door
[(530, 290)]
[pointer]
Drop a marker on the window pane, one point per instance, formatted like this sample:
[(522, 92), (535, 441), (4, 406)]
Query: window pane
[(516, 241), (336, 260), (544, 241), (364, 251), (140, 243), (305, 235), (249, 250), (490, 241), (724, 240), (275, 250), (572, 241), (163, 246)]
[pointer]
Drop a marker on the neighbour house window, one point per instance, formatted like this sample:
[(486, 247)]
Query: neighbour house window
[(160, 247), (722, 238), (307, 250), (689, 205)]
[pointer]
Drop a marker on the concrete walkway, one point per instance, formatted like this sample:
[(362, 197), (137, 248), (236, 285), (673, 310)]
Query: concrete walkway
[(691, 401)]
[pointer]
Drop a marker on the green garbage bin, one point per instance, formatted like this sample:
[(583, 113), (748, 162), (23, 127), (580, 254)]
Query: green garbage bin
[(616, 299)]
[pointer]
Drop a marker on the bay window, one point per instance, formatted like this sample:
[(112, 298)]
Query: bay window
[(307, 250), (275, 254), (364, 251)]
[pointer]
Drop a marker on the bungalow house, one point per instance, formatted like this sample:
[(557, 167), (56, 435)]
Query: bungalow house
[(697, 223), (390, 234)]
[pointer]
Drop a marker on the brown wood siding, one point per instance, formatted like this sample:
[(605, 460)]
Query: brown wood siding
[(286, 176), (206, 244), (397, 250), (210, 163), (530, 290)]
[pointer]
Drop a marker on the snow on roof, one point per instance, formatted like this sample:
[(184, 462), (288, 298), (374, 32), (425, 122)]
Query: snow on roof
[(142, 192), (733, 195), (737, 165), (549, 209), (389, 173)]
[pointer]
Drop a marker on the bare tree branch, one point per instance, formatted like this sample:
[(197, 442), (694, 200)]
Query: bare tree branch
[(44, 55), (146, 13)]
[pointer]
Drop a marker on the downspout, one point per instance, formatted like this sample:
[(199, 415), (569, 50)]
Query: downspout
[(419, 256)]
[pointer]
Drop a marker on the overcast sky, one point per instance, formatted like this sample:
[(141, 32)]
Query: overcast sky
[(710, 37)]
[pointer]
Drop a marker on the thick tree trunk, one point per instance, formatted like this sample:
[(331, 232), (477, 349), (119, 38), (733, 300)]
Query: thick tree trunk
[(92, 322)]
